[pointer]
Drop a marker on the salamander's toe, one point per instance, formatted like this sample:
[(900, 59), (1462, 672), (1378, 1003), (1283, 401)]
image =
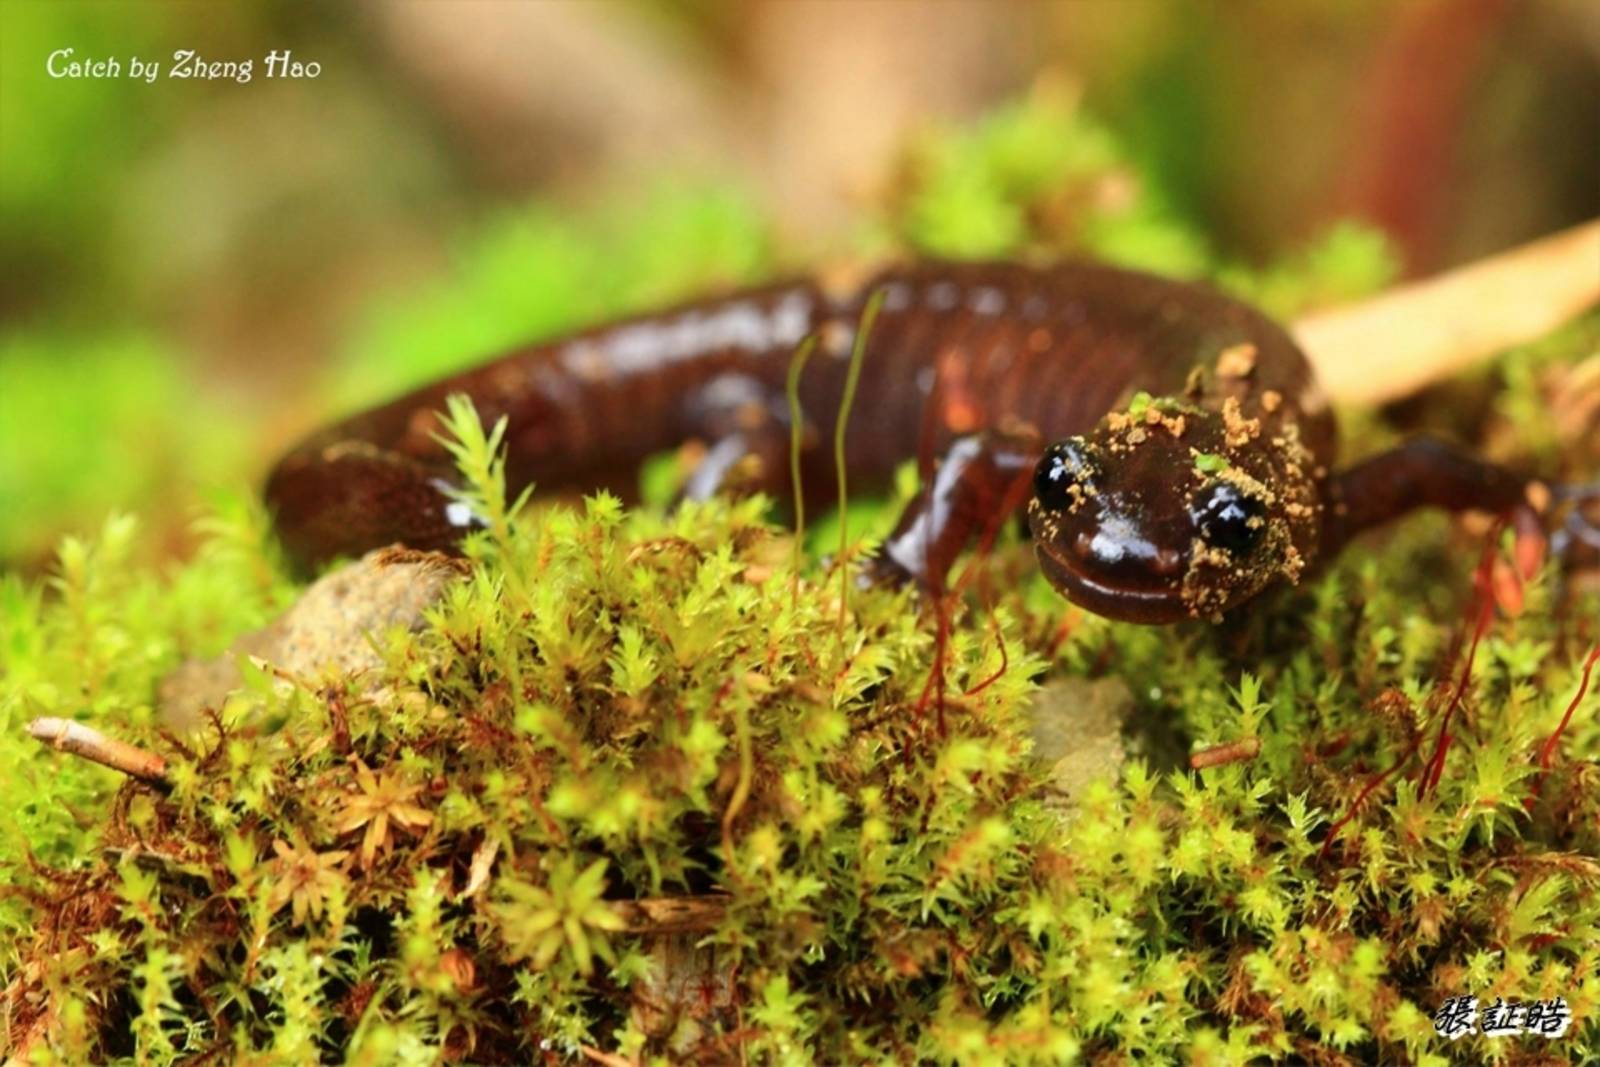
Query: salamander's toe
[(1576, 541), (1583, 522), (882, 570)]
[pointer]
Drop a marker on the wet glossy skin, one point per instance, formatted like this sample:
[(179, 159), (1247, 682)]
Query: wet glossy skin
[(1178, 509), (1190, 467)]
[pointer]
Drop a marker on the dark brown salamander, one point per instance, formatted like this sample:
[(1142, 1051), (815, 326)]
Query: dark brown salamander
[(1190, 469)]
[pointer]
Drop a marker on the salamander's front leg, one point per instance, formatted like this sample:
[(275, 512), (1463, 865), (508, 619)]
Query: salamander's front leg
[(1578, 540), (1430, 473), (748, 437), (740, 463), (980, 482)]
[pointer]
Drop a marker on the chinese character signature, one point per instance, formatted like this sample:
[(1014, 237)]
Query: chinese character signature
[(1459, 1016)]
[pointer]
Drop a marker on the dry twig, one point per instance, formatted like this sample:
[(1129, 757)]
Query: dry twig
[(1396, 343), (91, 744), (1244, 749), (672, 915)]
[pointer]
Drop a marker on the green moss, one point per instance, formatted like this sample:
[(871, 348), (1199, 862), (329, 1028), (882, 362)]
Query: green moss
[(623, 706), (93, 641), (620, 706)]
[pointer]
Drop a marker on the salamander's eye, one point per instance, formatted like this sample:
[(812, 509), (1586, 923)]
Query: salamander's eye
[(1064, 465), (1230, 520)]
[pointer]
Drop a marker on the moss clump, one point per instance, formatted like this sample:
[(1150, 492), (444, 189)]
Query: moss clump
[(612, 708), (93, 640), (637, 788)]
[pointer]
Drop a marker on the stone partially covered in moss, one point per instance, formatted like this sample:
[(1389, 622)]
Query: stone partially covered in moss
[(338, 623)]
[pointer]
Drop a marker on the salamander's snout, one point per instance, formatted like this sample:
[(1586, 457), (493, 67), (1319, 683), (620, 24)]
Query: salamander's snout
[(1157, 522), (1101, 536)]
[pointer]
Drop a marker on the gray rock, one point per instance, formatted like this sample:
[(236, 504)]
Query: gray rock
[(1077, 731), (332, 625)]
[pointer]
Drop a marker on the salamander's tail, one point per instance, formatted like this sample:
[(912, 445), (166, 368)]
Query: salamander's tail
[(349, 498)]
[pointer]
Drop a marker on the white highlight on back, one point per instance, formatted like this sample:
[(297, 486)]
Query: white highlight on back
[(646, 346)]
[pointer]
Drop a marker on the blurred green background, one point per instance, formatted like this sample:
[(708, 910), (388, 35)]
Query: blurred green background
[(198, 271)]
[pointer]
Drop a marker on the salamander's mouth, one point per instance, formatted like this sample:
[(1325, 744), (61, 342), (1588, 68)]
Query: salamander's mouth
[(1123, 603)]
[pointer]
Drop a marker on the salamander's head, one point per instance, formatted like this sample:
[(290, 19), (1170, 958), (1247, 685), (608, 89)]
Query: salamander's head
[(1163, 514)]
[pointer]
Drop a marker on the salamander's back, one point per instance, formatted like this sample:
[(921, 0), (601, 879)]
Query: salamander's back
[(955, 348), (1055, 347)]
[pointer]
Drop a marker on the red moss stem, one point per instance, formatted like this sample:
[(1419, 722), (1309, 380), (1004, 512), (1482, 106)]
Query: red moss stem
[(1548, 750), (1483, 607)]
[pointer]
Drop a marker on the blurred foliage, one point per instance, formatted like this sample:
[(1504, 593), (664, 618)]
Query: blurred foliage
[(1039, 175), (82, 154), (90, 425), (62, 147), (541, 269), (1348, 262)]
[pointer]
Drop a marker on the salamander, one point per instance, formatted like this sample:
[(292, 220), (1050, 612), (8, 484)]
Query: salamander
[(1168, 445)]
